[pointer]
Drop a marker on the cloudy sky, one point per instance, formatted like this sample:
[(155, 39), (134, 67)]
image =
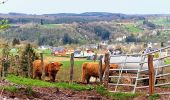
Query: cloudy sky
[(80, 6)]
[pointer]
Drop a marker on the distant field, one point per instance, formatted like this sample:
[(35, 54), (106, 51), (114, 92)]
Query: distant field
[(132, 28), (161, 21), (51, 25)]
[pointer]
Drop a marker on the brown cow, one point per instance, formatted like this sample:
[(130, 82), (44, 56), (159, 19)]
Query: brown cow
[(50, 69), (91, 69)]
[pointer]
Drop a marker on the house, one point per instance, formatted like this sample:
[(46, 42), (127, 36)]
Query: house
[(83, 54), (59, 51)]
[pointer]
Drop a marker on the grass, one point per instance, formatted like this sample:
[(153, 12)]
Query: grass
[(161, 21), (9, 88), (167, 61), (31, 82), (64, 72), (115, 96), (51, 25), (154, 97), (73, 86), (28, 82), (133, 29)]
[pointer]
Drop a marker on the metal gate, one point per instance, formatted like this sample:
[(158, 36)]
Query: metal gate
[(136, 69)]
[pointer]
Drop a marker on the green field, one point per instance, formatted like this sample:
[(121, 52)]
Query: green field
[(51, 25), (64, 73), (131, 28), (161, 21)]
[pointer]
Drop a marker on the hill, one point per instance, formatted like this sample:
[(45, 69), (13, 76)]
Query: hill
[(88, 27)]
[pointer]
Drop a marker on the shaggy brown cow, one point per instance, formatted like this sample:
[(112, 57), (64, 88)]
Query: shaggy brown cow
[(91, 69), (50, 69)]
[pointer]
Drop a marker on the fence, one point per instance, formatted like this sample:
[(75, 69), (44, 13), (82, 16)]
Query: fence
[(138, 69), (141, 65)]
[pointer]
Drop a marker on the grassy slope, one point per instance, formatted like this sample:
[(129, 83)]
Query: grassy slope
[(99, 89)]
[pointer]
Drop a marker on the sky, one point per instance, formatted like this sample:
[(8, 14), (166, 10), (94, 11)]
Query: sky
[(80, 6)]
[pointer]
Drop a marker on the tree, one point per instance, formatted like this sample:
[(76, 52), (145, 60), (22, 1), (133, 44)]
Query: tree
[(149, 24), (5, 59), (15, 42), (67, 39), (42, 22), (5, 51), (3, 1), (27, 57), (103, 33), (4, 24), (131, 38)]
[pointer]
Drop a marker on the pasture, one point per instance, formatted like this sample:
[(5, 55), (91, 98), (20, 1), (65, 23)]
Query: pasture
[(132, 28), (64, 73), (161, 21)]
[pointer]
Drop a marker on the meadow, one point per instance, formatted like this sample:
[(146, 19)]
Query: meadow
[(64, 72)]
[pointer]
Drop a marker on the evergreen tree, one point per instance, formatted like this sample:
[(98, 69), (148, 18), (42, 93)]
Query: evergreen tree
[(5, 60), (28, 56), (67, 39), (42, 22), (15, 42)]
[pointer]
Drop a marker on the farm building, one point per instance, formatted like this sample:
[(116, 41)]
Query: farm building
[(83, 54), (59, 51)]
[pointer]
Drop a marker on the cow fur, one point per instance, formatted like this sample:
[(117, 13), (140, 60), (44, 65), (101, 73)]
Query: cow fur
[(91, 69), (50, 69)]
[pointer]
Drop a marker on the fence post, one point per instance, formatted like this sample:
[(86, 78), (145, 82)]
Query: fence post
[(71, 67), (3, 68), (151, 74), (42, 66), (29, 66), (107, 64), (95, 57), (100, 69), (17, 63)]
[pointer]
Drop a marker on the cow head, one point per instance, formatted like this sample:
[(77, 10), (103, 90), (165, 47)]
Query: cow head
[(55, 66)]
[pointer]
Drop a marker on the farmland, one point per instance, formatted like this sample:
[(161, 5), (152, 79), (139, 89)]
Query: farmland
[(96, 32)]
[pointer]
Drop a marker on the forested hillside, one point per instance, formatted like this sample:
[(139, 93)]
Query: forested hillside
[(90, 27)]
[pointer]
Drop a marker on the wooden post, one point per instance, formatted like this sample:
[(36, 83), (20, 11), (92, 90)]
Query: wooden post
[(42, 66), (0, 69), (107, 64), (151, 74), (100, 69), (29, 66), (17, 64), (71, 67), (95, 57), (3, 67)]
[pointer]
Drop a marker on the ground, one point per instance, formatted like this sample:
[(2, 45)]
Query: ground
[(53, 93), (46, 93), (41, 93)]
